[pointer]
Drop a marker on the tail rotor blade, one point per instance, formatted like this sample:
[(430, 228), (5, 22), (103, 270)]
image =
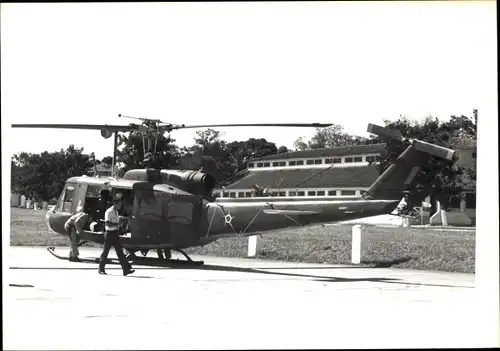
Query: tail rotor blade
[(435, 150), (385, 132)]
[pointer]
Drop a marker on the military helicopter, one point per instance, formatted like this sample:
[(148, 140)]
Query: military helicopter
[(174, 209)]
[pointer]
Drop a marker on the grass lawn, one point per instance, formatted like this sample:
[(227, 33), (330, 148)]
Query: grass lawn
[(415, 248)]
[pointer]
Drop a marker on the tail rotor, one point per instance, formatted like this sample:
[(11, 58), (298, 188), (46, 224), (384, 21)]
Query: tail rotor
[(423, 146)]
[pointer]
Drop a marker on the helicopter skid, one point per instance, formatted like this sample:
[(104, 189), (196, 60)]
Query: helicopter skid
[(140, 261)]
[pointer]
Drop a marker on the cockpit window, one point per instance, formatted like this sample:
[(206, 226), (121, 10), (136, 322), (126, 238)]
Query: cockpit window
[(66, 199)]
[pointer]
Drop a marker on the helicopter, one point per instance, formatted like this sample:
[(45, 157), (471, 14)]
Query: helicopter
[(175, 210)]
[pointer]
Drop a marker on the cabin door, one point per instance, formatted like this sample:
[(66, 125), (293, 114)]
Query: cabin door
[(146, 223)]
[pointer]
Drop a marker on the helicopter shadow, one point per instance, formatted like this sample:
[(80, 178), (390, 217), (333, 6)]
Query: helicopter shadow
[(364, 265), (322, 278), (264, 271)]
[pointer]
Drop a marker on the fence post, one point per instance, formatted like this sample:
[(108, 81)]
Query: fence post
[(358, 241), (255, 243)]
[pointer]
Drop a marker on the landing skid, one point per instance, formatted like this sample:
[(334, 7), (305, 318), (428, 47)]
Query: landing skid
[(136, 260)]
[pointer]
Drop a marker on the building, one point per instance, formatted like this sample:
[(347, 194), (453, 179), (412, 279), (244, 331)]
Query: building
[(463, 208), (342, 171)]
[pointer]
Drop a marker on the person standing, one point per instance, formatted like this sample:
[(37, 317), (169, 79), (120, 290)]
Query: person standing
[(112, 222)]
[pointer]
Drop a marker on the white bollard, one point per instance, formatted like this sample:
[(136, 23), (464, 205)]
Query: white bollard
[(255, 243), (358, 242), (406, 222)]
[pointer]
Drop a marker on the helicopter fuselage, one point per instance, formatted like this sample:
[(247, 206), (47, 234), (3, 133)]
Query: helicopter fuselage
[(164, 217)]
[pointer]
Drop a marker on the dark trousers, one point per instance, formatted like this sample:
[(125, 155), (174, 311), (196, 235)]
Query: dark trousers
[(111, 239)]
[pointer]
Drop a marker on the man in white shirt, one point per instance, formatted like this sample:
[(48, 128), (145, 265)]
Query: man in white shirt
[(113, 222)]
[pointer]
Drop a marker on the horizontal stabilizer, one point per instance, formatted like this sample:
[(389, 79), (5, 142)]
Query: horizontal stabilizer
[(290, 212)]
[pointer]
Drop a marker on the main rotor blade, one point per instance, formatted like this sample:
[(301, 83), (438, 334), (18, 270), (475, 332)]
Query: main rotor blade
[(111, 128), (315, 125)]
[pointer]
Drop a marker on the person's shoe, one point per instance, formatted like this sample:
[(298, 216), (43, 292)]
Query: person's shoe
[(128, 271), (102, 271)]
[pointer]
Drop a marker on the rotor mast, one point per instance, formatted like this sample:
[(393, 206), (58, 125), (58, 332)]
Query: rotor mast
[(150, 133), (115, 148)]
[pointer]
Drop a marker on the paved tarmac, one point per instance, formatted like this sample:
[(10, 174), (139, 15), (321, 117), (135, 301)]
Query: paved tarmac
[(232, 304)]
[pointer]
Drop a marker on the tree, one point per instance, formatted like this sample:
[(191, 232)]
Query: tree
[(282, 150), (42, 176), (333, 136), (209, 153), (133, 147)]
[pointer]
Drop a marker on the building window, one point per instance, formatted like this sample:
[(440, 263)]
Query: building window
[(282, 193), (474, 155), (300, 163), (292, 163), (251, 165), (311, 193), (328, 160), (310, 162), (358, 159), (332, 192), (225, 194), (274, 193), (248, 194), (337, 160), (348, 160), (470, 201), (241, 194), (279, 164), (320, 193), (275, 164), (292, 193), (318, 162), (370, 158), (348, 192), (300, 193), (282, 164), (259, 165), (232, 194), (266, 164)]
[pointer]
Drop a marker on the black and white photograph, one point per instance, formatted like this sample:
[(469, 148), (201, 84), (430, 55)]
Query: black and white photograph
[(250, 175)]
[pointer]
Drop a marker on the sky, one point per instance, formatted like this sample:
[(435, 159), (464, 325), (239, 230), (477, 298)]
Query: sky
[(345, 63)]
